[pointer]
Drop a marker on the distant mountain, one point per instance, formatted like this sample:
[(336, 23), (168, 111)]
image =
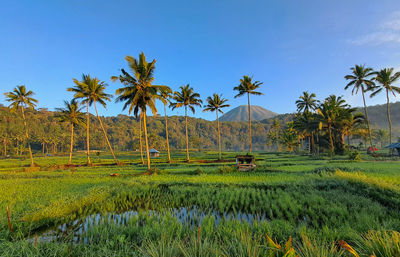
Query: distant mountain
[(241, 113)]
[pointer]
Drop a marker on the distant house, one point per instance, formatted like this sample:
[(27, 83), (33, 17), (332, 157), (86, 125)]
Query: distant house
[(154, 153), (395, 146)]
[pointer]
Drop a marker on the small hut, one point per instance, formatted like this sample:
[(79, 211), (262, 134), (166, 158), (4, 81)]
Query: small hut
[(154, 153), (245, 162), (395, 146)]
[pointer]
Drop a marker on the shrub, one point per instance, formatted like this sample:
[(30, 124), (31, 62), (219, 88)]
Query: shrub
[(198, 171), (355, 156), (226, 169)]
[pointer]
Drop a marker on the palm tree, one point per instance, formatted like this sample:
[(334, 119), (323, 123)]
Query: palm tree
[(305, 122), (330, 113), (248, 87), (306, 125), (72, 114), (386, 78), (138, 92), (187, 98), (91, 90), (166, 94), (359, 80), (381, 135), (140, 138), (307, 102), (19, 97), (214, 104), (289, 137)]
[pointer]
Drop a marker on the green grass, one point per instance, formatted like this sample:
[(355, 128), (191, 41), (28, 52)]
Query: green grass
[(317, 201)]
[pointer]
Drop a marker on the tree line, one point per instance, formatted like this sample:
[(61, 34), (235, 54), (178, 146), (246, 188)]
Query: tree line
[(323, 125)]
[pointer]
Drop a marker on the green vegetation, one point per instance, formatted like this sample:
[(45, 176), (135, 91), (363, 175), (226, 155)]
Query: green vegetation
[(322, 197), (316, 201)]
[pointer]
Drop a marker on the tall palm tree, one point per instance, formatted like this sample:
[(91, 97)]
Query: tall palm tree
[(19, 97), (359, 79), (91, 90), (307, 102), (385, 79), (138, 92), (166, 94), (214, 104), (186, 98), (247, 86), (140, 138), (331, 112), (72, 114)]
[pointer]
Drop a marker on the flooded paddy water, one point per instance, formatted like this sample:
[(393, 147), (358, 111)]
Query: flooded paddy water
[(192, 217)]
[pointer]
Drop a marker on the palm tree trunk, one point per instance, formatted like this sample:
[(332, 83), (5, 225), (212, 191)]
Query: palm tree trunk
[(27, 136), (187, 137), (166, 133), (219, 138), (147, 143), (312, 142), (105, 134), (140, 138), (5, 146), (388, 115), (248, 105), (87, 135), (366, 117), (72, 144), (330, 138)]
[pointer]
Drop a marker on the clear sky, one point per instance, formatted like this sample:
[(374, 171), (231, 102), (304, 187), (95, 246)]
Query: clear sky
[(290, 45)]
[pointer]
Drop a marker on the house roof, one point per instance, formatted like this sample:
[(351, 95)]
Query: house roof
[(394, 145), (152, 150)]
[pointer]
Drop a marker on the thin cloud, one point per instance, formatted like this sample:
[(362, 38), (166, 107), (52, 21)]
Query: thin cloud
[(377, 38), (388, 32), (393, 23)]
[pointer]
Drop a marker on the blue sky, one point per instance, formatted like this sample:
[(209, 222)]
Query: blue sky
[(290, 45)]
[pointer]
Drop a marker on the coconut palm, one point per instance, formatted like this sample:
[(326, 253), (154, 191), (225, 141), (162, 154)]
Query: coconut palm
[(306, 125), (214, 104), (91, 90), (330, 114), (381, 136), (359, 80), (306, 103), (20, 97), (138, 92), (72, 114), (189, 99), (166, 94), (140, 138), (247, 86), (385, 79)]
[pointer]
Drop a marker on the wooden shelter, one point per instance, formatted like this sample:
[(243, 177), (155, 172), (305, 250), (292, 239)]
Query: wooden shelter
[(154, 153), (245, 162)]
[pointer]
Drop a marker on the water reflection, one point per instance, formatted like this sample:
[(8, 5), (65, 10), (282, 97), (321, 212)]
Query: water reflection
[(192, 217)]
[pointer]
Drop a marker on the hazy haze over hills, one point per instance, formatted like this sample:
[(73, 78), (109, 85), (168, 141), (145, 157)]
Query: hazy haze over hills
[(241, 113)]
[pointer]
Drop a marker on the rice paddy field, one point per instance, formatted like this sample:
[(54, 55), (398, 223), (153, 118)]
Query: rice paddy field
[(290, 205)]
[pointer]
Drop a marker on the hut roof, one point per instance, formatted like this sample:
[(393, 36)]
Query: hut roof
[(394, 145), (152, 150)]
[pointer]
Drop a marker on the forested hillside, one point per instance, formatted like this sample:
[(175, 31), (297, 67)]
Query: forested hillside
[(49, 135), (377, 115)]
